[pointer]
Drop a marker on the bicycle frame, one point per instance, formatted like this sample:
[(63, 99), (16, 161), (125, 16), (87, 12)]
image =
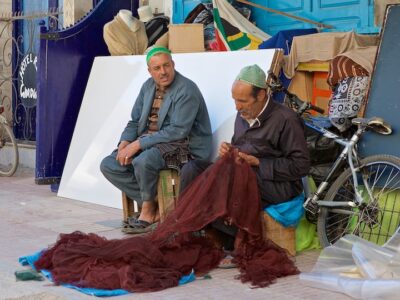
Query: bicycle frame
[(348, 153)]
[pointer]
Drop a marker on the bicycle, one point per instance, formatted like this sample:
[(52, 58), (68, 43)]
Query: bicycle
[(8, 148), (362, 199)]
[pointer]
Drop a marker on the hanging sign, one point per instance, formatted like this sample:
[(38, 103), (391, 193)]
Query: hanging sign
[(27, 80)]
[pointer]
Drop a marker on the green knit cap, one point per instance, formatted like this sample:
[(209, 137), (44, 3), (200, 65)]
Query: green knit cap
[(156, 50), (253, 75)]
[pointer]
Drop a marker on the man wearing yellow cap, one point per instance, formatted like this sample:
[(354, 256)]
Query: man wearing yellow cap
[(169, 119), (269, 136)]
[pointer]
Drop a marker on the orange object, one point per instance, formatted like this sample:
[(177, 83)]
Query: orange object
[(321, 94)]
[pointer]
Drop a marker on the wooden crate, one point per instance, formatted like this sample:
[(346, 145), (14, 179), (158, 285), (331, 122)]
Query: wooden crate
[(167, 191), (167, 194), (128, 207), (284, 237)]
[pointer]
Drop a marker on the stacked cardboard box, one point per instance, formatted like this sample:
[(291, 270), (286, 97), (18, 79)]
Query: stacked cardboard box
[(185, 38), (309, 84)]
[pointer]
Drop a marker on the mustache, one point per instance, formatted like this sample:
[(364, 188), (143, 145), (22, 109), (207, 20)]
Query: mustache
[(244, 111)]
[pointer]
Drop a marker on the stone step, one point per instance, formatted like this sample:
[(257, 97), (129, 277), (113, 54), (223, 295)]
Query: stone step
[(27, 155)]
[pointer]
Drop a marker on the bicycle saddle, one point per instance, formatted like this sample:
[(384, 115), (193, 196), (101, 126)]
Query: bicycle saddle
[(375, 123)]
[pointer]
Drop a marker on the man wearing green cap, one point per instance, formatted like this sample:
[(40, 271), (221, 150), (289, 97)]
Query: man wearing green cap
[(269, 136), (169, 119)]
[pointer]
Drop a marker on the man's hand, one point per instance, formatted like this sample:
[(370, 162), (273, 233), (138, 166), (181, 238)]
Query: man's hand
[(250, 159), (224, 149), (126, 151), (121, 146)]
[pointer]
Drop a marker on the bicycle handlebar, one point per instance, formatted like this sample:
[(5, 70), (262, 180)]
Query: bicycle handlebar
[(300, 105), (316, 108)]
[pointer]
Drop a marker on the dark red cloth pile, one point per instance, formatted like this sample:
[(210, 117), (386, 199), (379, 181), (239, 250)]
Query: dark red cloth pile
[(156, 261)]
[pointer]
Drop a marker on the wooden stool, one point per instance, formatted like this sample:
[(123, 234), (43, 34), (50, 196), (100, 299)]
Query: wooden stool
[(167, 194), (285, 237)]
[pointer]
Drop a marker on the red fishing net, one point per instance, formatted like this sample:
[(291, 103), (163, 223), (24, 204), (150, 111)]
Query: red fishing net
[(156, 261)]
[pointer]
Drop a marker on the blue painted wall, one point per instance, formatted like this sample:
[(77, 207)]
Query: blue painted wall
[(344, 15)]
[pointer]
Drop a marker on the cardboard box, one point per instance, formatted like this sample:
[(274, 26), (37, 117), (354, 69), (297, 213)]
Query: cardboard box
[(314, 66), (311, 87), (321, 93), (185, 38), (302, 85)]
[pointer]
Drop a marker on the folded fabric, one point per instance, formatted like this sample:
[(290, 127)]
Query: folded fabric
[(347, 99), (30, 260), (23, 275), (287, 213)]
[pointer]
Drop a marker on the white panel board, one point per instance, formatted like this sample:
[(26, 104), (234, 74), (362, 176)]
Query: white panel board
[(112, 88)]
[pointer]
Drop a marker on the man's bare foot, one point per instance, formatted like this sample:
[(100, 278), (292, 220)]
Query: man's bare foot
[(226, 262), (149, 212)]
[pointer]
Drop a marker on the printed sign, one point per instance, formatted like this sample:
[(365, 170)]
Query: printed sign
[(27, 80)]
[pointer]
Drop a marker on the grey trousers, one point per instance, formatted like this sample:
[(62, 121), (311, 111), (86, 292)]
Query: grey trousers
[(139, 179)]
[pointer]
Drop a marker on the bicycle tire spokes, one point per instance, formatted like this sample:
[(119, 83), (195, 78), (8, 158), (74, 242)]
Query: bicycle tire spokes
[(375, 219)]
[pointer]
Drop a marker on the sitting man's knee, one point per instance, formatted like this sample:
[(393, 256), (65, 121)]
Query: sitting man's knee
[(148, 160), (104, 165), (109, 165)]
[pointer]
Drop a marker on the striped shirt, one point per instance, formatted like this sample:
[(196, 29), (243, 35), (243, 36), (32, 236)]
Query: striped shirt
[(153, 116)]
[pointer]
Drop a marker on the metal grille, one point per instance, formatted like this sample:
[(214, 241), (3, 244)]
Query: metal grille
[(18, 34)]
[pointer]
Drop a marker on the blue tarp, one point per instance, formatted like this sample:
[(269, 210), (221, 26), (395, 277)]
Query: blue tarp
[(287, 213)]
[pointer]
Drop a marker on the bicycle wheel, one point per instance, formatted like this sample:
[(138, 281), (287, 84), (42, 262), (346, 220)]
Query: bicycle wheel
[(376, 219), (8, 151)]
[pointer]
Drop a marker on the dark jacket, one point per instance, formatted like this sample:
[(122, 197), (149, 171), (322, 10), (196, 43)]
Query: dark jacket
[(183, 114), (278, 141)]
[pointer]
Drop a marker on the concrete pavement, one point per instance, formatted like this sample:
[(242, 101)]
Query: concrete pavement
[(31, 217)]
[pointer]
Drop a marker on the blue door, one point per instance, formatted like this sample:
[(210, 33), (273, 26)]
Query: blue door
[(344, 15)]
